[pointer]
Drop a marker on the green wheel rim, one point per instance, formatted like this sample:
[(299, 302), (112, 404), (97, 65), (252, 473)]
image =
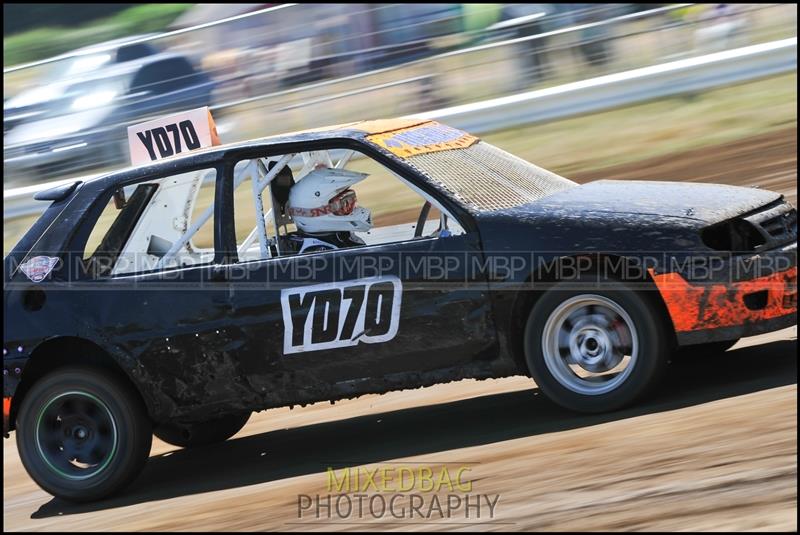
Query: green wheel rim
[(76, 435)]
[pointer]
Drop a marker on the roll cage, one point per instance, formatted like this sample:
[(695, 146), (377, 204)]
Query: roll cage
[(262, 172)]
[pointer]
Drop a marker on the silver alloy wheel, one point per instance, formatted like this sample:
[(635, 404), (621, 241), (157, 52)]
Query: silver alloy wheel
[(590, 344)]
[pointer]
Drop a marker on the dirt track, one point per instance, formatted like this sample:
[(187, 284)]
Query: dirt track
[(714, 449), (768, 161)]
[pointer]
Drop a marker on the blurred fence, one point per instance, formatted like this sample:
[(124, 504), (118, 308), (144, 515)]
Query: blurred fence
[(287, 68), (690, 74)]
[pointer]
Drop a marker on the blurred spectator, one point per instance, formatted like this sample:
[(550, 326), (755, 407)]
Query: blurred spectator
[(525, 21), (721, 26), (534, 22), (595, 44)]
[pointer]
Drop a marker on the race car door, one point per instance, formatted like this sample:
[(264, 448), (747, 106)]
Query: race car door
[(394, 306), (373, 311)]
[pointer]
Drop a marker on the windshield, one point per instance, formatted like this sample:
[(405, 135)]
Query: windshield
[(479, 175), (484, 177), (86, 95), (68, 80), (77, 66)]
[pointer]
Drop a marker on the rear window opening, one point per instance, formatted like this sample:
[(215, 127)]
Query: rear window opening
[(144, 227)]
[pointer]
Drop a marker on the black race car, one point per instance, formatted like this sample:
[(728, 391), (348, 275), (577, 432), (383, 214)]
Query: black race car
[(168, 298)]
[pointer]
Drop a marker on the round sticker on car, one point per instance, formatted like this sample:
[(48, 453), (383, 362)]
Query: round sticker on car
[(38, 267)]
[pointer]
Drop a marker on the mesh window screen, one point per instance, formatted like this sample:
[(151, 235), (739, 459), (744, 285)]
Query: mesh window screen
[(487, 178)]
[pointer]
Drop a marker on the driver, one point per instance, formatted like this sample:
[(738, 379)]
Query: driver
[(325, 210)]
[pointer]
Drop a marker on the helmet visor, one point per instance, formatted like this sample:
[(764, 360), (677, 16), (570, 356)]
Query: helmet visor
[(344, 203)]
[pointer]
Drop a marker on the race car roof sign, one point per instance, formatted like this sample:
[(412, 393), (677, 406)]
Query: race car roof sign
[(422, 139), (174, 134)]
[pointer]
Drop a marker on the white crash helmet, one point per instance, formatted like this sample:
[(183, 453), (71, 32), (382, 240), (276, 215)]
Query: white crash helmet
[(322, 201)]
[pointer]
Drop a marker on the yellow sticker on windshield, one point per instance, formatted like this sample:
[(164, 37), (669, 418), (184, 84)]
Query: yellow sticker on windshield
[(422, 139)]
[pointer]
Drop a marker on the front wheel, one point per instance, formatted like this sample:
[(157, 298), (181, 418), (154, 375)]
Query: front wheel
[(597, 350), (191, 435), (83, 434)]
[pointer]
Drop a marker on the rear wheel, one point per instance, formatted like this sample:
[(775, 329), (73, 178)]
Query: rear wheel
[(83, 434), (596, 350), (190, 435)]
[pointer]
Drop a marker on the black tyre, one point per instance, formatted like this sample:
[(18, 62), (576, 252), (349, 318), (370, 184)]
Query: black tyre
[(701, 351), (191, 435), (595, 350), (83, 434)]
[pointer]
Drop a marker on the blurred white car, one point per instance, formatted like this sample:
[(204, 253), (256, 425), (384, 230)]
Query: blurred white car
[(75, 117)]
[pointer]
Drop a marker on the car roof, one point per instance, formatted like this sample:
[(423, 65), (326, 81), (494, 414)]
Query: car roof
[(114, 43), (121, 69)]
